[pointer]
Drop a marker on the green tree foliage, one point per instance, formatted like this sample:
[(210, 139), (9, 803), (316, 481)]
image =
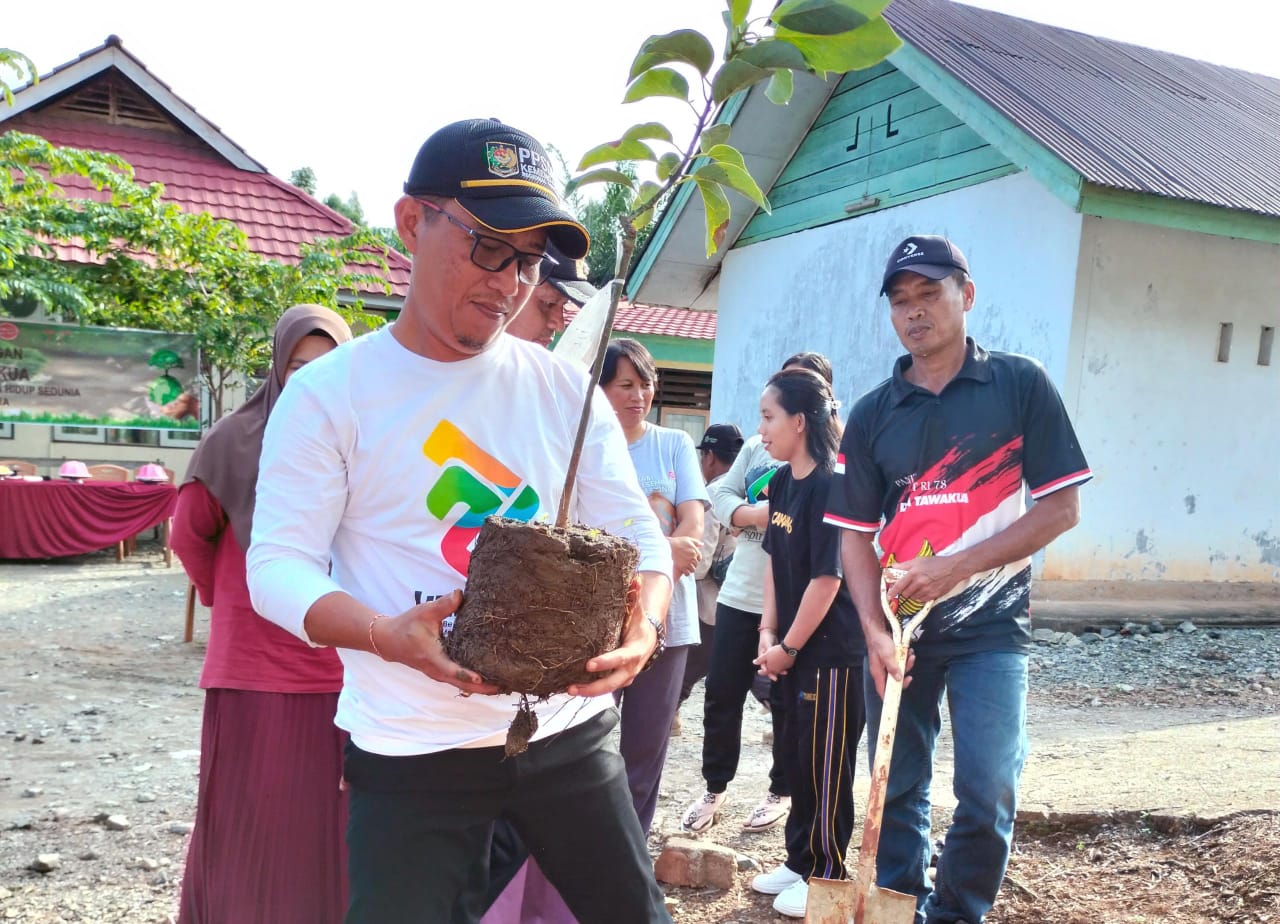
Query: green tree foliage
[(16, 69), (391, 238), (305, 179), (350, 208), (820, 37), (602, 217), (150, 265)]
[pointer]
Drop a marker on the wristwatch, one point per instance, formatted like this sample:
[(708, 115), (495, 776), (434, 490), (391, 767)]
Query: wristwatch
[(787, 649), (661, 629)]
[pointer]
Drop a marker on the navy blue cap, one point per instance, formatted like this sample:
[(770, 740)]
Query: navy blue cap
[(930, 255), (499, 174)]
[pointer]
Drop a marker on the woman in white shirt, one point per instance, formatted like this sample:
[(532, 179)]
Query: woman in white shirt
[(667, 466)]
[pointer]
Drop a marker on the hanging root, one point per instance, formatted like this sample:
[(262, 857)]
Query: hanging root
[(523, 727)]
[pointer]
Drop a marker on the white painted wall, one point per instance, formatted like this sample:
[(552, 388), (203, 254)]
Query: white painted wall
[(818, 290), (1186, 449)]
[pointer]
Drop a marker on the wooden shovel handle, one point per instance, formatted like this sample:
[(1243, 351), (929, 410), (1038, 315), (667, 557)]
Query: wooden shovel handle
[(874, 817)]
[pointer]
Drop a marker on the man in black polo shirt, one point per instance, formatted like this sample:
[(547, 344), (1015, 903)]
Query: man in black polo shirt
[(934, 460)]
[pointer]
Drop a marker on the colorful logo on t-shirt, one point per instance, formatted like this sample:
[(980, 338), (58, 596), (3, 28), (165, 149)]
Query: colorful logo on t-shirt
[(472, 479)]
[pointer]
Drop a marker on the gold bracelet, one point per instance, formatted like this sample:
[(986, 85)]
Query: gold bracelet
[(773, 629), (372, 643)]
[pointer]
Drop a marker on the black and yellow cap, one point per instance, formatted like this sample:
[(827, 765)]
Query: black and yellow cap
[(500, 175), (569, 277)]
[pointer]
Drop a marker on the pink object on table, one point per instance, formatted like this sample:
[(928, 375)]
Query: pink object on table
[(150, 472), (73, 469)]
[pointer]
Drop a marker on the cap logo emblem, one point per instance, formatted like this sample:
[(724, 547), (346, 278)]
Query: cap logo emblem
[(910, 249), (501, 159)]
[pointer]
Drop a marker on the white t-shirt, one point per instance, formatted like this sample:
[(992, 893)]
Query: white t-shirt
[(667, 465), (746, 482), (387, 463)]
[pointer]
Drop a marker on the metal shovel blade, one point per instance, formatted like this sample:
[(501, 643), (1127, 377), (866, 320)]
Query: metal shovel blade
[(830, 901), (885, 906), (835, 901)]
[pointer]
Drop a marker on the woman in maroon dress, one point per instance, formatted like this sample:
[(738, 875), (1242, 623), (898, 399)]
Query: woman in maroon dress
[(268, 845)]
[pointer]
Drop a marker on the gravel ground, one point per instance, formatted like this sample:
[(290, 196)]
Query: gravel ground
[(1158, 665), (100, 716)]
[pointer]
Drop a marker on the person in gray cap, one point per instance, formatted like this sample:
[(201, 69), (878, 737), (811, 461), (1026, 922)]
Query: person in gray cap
[(379, 465), (934, 468), (543, 314)]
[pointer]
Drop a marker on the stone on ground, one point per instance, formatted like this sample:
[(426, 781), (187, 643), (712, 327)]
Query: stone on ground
[(686, 862)]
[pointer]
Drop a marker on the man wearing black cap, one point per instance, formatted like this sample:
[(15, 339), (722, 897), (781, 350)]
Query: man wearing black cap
[(717, 451), (375, 476), (543, 314), (936, 461)]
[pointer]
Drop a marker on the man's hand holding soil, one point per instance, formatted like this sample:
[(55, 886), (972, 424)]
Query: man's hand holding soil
[(414, 638)]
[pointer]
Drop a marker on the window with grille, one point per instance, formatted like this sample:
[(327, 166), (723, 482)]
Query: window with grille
[(683, 388)]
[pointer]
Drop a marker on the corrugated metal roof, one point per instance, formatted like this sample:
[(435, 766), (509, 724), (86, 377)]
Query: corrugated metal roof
[(1123, 116), (658, 319)]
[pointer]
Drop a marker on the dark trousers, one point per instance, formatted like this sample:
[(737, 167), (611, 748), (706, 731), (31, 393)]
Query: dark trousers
[(648, 706), (699, 662), (824, 720), (420, 825), (729, 678), (699, 659)]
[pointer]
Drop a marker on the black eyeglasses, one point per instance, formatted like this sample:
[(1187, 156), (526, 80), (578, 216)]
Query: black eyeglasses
[(494, 255)]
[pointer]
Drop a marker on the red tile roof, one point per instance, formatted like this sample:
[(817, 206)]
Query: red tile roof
[(657, 319), (276, 216)]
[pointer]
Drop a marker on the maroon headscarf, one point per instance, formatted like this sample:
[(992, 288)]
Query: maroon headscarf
[(226, 461)]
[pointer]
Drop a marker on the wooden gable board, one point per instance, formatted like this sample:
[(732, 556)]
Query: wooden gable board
[(112, 54), (880, 141)]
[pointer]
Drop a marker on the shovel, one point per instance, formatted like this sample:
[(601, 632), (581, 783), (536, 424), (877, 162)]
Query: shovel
[(874, 905), (860, 900)]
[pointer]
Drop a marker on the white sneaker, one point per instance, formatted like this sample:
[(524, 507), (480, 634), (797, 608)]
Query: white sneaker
[(777, 882), (792, 900), (702, 814), (768, 813)]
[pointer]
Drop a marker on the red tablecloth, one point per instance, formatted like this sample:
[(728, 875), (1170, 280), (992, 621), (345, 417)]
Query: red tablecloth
[(50, 519)]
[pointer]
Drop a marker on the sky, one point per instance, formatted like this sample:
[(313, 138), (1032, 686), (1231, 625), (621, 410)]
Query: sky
[(352, 91)]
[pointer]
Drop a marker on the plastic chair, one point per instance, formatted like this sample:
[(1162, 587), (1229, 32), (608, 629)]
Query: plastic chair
[(20, 467), (108, 472)]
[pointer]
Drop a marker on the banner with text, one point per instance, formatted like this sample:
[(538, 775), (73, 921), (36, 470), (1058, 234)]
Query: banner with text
[(97, 377)]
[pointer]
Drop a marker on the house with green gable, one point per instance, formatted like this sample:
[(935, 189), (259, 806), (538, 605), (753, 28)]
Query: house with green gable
[(1120, 210)]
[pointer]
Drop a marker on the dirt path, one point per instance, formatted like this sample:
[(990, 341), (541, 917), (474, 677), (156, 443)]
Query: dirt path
[(100, 715)]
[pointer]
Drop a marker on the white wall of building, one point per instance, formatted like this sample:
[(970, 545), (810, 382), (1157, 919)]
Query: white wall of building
[(1186, 449), (818, 290)]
